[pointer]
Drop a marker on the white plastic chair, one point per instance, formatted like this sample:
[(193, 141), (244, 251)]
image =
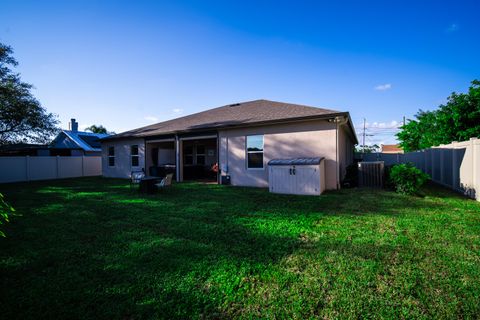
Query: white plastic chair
[(167, 181), (136, 177)]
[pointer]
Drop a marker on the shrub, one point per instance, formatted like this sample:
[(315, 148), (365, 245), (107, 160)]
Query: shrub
[(351, 176), (406, 178), (5, 211)]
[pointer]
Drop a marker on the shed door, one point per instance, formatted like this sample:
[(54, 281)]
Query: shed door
[(280, 179), (307, 180)]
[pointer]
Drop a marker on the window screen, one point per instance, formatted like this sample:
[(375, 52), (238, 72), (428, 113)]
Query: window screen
[(255, 151), (134, 155), (111, 156)]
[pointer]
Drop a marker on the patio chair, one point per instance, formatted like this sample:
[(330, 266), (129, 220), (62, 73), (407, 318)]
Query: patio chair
[(167, 181), (136, 177)]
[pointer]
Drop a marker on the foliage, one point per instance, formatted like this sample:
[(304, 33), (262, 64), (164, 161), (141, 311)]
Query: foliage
[(5, 211), (351, 176), (406, 178), (367, 148), (91, 248), (457, 120), (22, 118), (98, 129)]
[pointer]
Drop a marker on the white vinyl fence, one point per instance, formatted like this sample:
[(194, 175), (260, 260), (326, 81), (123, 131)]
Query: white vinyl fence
[(15, 169), (455, 165)]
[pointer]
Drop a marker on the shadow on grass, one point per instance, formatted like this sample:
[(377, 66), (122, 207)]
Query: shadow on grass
[(121, 253), (96, 248)]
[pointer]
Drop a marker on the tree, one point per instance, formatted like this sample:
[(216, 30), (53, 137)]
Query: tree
[(457, 120), (22, 118), (97, 129), (6, 211), (367, 149)]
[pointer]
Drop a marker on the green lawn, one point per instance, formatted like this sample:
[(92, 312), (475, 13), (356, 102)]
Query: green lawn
[(93, 248)]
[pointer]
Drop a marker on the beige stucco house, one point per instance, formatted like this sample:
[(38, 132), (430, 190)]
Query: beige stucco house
[(234, 141)]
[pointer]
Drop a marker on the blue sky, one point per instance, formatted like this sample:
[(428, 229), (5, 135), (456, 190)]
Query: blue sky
[(126, 64)]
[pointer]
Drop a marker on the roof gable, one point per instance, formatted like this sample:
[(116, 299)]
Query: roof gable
[(87, 141)]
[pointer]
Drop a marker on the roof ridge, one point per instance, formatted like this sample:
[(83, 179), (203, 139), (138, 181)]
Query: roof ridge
[(248, 112)]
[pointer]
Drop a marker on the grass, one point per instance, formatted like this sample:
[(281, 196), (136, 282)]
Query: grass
[(92, 248)]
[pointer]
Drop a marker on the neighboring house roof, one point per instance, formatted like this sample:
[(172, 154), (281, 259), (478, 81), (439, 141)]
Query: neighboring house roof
[(68, 139), (237, 114), (391, 148)]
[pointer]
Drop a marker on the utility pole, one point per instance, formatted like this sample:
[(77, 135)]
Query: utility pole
[(364, 124), (403, 120)]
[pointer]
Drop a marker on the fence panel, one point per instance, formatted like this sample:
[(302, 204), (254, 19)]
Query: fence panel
[(41, 168), (455, 165), (92, 166), (13, 169), (70, 167), (16, 169)]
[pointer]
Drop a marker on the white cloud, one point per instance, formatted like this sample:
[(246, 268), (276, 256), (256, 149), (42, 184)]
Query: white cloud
[(394, 124), (452, 28), (383, 87), (177, 111), (378, 132), (151, 118), (82, 127)]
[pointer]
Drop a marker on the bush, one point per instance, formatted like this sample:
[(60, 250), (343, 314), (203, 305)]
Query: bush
[(406, 178), (5, 211), (351, 176)]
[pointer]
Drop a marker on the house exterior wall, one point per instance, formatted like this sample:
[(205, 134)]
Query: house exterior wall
[(123, 167), (316, 138), (281, 141), (345, 149)]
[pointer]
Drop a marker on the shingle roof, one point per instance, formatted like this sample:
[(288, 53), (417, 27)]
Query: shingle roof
[(238, 114), (81, 139), (391, 148)]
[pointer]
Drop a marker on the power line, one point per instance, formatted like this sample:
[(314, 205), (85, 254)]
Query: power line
[(383, 132)]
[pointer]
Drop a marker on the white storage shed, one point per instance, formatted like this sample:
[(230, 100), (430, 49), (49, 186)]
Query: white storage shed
[(297, 176)]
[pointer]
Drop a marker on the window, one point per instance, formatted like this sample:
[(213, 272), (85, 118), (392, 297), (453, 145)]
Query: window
[(111, 156), (255, 152), (188, 156), (134, 155), (200, 155)]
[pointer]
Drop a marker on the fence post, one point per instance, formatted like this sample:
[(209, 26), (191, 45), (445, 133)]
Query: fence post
[(58, 167), (27, 168), (83, 161), (475, 186), (427, 163), (454, 165), (442, 164), (432, 162)]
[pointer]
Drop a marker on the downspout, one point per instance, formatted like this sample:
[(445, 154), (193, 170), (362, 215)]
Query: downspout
[(145, 170), (218, 160), (338, 122), (177, 158), (226, 156), (336, 152)]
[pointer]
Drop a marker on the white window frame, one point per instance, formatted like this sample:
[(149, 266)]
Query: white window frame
[(111, 156), (134, 155), (262, 152)]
